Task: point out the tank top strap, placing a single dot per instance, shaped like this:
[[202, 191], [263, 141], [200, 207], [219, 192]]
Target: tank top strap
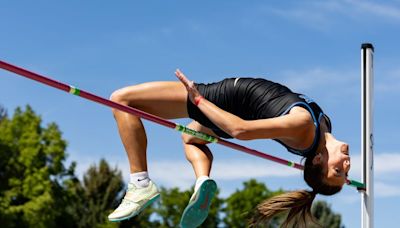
[[317, 114]]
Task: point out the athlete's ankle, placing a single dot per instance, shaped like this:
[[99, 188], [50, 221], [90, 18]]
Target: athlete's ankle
[[199, 181], [140, 179]]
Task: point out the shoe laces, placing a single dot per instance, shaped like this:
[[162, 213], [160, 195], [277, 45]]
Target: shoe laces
[[127, 202]]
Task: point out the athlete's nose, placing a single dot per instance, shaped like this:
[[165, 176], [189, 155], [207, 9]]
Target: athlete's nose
[[346, 165], [345, 148]]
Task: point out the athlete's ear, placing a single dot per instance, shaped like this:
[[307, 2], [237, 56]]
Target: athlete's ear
[[317, 160]]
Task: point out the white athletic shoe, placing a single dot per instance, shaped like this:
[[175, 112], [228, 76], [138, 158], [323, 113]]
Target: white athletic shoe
[[135, 200]]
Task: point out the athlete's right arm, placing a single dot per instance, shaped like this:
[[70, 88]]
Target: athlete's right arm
[[287, 126]]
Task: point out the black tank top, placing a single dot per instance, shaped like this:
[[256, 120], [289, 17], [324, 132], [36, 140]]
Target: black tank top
[[257, 98]]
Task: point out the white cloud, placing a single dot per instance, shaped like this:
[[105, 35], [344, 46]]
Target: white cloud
[[318, 77], [344, 83], [389, 83], [231, 170], [387, 163], [386, 173], [322, 84], [316, 19], [171, 173], [349, 198], [384, 164], [180, 174], [321, 15], [386, 190], [389, 11]]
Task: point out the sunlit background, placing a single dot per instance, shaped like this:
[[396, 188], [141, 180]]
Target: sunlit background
[[311, 46]]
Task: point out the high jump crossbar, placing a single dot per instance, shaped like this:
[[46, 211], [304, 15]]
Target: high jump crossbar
[[367, 137], [92, 97]]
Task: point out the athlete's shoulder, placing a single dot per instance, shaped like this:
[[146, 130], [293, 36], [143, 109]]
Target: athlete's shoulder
[[301, 117]]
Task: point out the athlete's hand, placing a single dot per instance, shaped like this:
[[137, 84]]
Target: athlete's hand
[[190, 87]]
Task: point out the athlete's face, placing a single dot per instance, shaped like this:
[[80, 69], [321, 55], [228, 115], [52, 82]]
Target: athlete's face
[[336, 161]]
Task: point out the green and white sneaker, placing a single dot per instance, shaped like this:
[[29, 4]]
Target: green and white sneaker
[[135, 200], [196, 211]]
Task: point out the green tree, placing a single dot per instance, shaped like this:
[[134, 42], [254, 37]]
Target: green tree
[[171, 205], [241, 204], [101, 192], [3, 113], [3, 158], [173, 202], [31, 170], [38, 190], [322, 211]]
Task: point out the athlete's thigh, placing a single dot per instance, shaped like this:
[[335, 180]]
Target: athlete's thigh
[[189, 139], [164, 99]]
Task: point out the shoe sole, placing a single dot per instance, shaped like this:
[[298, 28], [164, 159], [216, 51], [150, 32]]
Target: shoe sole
[[152, 200], [197, 211]]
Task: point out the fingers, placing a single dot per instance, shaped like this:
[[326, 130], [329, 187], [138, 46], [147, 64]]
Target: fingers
[[190, 86], [180, 75], [183, 78]]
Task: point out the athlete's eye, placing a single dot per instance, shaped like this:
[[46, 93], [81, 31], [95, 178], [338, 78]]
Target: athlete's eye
[[337, 172]]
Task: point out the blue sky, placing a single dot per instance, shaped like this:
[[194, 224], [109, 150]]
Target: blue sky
[[311, 46]]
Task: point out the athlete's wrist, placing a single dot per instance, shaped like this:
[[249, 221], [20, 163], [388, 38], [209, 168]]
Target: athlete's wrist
[[197, 100]]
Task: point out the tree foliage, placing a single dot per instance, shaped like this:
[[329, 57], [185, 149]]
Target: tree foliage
[[37, 189], [31, 170], [101, 185], [3, 113], [173, 202], [240, 205], [322, 211]]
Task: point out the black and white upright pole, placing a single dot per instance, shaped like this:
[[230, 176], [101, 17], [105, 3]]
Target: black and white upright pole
[[367, 137]]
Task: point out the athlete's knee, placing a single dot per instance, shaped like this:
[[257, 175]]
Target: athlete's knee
[[119, 96], [187, 139], [191, 153]]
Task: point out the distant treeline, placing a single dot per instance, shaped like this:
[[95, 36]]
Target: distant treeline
[[37, 189]]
